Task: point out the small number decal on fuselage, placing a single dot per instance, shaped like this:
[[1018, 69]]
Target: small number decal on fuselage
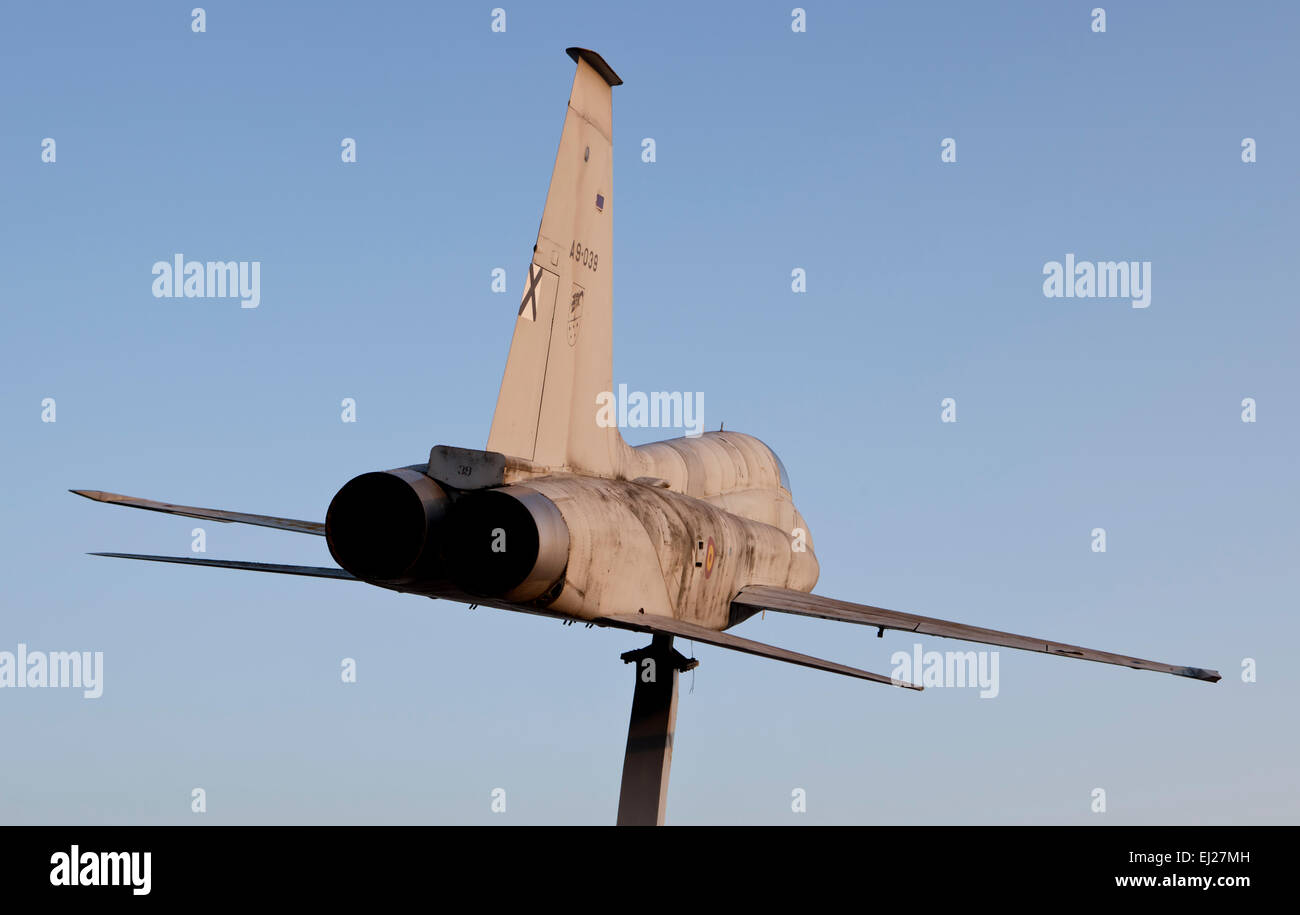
[[584, 256]]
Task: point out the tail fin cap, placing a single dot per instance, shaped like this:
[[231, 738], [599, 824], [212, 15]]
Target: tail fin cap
[[597, 63]]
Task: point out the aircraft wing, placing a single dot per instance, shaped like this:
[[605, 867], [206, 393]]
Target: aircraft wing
[[206, 514], [782, 600], [642, 623], [310, 571]]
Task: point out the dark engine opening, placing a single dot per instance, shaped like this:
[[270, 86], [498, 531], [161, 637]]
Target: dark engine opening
[[495, 545], [378, 525]]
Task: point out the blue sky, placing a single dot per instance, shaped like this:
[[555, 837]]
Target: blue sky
[[775, 150]]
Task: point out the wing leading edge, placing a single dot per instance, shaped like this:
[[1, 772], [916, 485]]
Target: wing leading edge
[[781, 600]]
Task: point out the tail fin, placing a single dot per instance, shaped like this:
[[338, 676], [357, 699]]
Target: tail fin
[[561, 357]]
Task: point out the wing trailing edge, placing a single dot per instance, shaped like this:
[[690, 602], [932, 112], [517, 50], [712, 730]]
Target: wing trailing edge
[[668, 626], [781, 600]]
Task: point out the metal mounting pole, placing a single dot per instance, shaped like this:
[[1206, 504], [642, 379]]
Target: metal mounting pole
[[643, 799]]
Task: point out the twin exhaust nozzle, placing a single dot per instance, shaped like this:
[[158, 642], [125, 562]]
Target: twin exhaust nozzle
[[402, 528]]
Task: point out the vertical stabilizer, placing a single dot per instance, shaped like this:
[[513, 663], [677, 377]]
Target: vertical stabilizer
[[561, 356]]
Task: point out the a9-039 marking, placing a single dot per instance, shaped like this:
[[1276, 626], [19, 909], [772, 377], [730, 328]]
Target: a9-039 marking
[[584, 256]]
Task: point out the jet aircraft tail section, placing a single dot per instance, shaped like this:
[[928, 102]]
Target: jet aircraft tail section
[[561, 355]]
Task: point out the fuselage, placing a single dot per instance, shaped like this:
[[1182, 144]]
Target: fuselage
[[682, 527], [710, 515]]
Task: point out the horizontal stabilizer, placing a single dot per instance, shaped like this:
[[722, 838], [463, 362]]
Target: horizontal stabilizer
[[310, 571], [206, 514], [668, 626], [781, 600]]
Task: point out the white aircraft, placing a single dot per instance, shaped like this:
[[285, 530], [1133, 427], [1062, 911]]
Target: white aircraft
[[562, 518]]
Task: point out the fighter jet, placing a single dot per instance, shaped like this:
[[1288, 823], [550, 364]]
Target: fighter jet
[[559, 517]]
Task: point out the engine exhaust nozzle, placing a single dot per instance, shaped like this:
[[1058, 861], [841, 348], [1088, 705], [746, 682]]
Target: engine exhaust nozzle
[[386, 525], [510, 543]]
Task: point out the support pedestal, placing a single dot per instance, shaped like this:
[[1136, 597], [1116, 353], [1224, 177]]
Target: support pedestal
[[643, 799]]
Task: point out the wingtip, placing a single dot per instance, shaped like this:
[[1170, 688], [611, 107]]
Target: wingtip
[[95, 495]]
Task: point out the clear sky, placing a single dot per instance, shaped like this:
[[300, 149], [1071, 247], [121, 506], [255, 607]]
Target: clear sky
[[774, 150]]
